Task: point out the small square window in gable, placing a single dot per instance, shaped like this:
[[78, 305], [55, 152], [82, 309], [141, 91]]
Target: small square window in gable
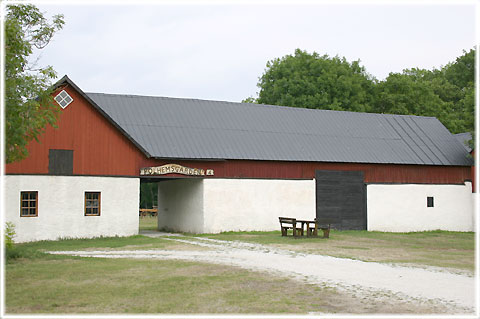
[[63, 99]]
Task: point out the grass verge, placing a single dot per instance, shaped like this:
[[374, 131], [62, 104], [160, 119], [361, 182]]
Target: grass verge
[[454, 250], [38, 283]]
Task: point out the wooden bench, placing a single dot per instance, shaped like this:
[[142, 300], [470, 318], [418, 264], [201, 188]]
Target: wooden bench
[[324, 224], [311, 228], [287, 223]]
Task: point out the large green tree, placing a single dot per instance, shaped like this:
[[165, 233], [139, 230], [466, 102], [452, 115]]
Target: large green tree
[[314, 81], [462, 71], [29, 106], [446, 93], [412, 93], [461, 75]]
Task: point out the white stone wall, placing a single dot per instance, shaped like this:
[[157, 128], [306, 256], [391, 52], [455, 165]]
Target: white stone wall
[[403, 208], [216, 205], [61, 206], [180, 205], [255, 204]]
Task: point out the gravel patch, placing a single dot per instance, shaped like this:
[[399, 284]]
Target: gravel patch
[[363, 279]]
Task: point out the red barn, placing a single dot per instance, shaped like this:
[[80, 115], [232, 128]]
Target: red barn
[[234, 166]]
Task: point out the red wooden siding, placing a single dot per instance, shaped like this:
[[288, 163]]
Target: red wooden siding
[[374, 173], [99, 148]]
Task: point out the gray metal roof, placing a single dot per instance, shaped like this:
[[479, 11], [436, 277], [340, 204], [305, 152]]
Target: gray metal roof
[[199, 129], [464, 138]]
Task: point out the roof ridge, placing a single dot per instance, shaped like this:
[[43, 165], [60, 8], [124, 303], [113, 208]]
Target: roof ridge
[[258, 105], [258, 131]]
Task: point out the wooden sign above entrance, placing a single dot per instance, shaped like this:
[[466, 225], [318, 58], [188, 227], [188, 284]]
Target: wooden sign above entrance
[[175, 169]]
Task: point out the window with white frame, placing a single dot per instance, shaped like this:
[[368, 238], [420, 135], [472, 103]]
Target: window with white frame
[[63, 99]]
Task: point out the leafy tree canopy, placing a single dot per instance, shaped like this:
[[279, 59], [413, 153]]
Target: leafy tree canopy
[[462, 72], [29, 106], [314, 81], [446, 93]]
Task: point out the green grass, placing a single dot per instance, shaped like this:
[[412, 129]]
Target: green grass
[[148, 223], [42, 283], [434, 248], [454, 250], [39, 283], [35, 248], [91, 285], [96, 285]]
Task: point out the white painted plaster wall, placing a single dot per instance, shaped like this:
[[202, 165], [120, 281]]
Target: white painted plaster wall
[[403, 208], [215, 205], [180, 205], [61, 206], [255, 204]]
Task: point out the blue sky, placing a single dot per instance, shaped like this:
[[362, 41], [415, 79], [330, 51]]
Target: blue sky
[[217, 52]]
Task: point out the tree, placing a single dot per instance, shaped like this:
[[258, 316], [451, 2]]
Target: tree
[[446, 93], [461, 75], [314, 81], [148, 195], [29, 106], [413, 94], [462, 72], [250, 99]]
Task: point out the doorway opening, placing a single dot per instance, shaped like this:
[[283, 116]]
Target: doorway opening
[[148, 207], [341, 198]]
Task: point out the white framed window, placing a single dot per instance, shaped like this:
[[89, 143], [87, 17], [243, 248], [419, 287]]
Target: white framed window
[[63, 99]]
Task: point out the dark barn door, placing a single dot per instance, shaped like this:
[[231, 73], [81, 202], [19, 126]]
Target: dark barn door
[[341, 197]]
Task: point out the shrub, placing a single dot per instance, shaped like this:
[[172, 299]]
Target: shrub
[[11, 251], [9, 234]]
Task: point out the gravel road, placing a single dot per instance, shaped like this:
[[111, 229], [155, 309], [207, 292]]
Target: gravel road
[[363, 279]]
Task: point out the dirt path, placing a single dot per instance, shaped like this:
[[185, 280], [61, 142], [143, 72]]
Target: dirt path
[[362, 279]]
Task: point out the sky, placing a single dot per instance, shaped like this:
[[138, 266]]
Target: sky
[[218, 52]]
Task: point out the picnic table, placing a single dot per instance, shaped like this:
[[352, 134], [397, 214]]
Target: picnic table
[[143, 212], [310, 227]]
